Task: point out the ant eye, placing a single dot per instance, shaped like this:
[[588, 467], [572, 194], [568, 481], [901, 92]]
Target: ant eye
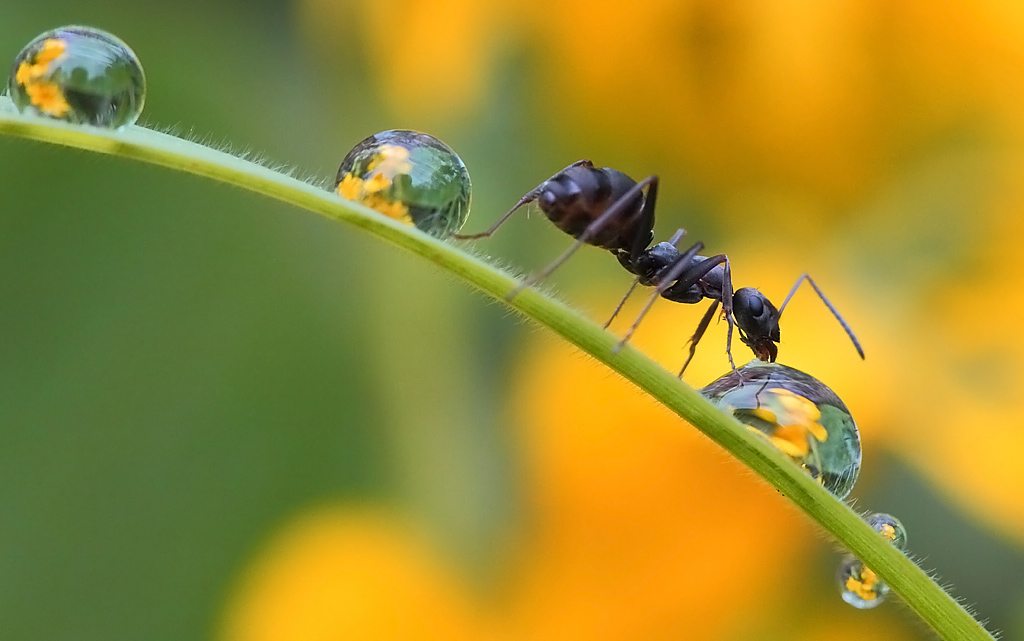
[[755, 306]]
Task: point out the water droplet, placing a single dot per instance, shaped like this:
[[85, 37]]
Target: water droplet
[[798, 414], [889, 527], [81, 75], [860, 586], [410, 176]]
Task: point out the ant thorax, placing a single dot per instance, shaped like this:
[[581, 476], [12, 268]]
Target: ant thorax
[[652, 263]]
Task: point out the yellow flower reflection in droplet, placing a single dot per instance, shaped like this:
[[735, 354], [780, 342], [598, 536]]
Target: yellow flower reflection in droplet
[[47, 96]]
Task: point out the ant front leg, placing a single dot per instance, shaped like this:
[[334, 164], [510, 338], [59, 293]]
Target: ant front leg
[[727, 310], [616, 209], [528, 198], [694, 274]]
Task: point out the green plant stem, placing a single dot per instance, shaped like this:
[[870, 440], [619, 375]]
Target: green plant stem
[[922, 595]]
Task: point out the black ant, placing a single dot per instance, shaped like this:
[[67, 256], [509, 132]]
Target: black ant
[[606, 208]]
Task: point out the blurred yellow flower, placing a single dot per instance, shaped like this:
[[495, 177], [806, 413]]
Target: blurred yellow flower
[[376, 183], [819, 103], [640, 528], [349, 573], [391, 161]]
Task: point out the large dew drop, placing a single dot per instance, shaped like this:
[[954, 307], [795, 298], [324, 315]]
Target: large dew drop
[[409, 176], [80, 75], [799, 415]]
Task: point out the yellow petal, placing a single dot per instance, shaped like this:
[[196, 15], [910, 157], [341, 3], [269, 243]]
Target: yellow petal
[[376, 183], [350, 187], [52, 49], [48, 98]]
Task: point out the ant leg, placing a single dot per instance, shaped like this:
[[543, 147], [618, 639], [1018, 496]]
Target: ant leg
[[698, 334], [609, 214], [644, 224], [727, 310], [618, 308], [678, 273], [674, 240], [831, 308], [676, 237], [528, 198], [764, 386], [681, 271]]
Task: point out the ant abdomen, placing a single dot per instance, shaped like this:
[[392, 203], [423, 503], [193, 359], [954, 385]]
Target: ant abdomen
[[575, 197]]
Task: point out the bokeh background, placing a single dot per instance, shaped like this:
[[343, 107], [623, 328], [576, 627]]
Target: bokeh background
[[224, 418]]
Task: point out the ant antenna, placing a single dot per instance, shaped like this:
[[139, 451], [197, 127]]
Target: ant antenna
[[831, 308]]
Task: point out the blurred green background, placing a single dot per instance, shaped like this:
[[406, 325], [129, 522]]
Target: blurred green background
[[187, 368]]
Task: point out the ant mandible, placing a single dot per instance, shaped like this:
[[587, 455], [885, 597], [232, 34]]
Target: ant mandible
[[606, 208]]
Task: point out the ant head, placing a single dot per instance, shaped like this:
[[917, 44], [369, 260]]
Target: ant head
[[758, 322]]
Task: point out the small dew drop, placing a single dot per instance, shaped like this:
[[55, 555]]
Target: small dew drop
[[799, 415], [409, 176], [859, 585], [80, 75], [890, 528]]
